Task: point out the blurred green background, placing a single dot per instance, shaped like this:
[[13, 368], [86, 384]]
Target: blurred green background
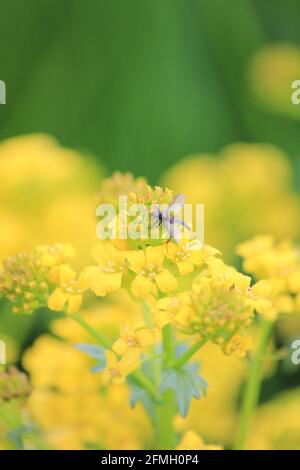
[[141, 83]]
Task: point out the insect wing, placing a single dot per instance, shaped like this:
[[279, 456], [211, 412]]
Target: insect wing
[[176, 204]]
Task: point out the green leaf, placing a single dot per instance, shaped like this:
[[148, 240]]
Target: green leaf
[[186, 384], [137, 393], [96, 352]]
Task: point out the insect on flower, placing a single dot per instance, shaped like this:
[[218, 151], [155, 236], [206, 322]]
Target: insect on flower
[[170, 218]]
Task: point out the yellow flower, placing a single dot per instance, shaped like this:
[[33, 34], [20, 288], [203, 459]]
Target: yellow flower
[[116, 370], [192, 441], [174, 310], [107, 276], [188, 254], [294, 281], [262, 288], [279, 264], [148, 265], [51, 255], [69, 291], [275, 424], [238, 345], [138, 340], [66, 394]]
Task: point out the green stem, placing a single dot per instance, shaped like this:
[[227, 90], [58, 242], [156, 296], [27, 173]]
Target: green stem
[[138, 375], [142, 379], [102, 340], [168, 346], [165, 412], [184, 358], [253, 385]]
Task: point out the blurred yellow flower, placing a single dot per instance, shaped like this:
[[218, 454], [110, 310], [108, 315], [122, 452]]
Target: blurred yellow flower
[[44, 188], [271, 72], [116, 370], [238, 345], [279, 264], [130, 339], [246, 189], [69, 291], [192, 441], [72, 406], [276, 425]]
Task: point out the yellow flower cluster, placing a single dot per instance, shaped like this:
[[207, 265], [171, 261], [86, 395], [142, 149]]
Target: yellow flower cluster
[[184, 283], [246, 189], [138, 192], [219, 307], [276, 425], [73, 407], [185, 291], [129, 346], [279, 263], [271, 72], [44, 188], [25, 278]]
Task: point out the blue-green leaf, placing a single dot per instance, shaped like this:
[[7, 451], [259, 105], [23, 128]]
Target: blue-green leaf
[[96, 352], [186, 384], [137, 393]]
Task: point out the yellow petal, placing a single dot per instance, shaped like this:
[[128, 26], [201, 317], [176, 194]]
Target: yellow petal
[[285, 304], [185, 267], [294, 282], [99, 253], [141, 287], [165, 281], [53, 275], [74, 303], [130, 361], [145, 337], [155, 255], [120, 346], [98, 285], [113, 281], [161, 318], [136, 260], [171, 250], [66, 274], [262, 288], [57, 300]]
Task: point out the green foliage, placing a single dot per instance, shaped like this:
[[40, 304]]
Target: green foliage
[[186, 384]]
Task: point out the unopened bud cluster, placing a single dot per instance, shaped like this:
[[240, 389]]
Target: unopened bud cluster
[[14, 384], [24, 282]]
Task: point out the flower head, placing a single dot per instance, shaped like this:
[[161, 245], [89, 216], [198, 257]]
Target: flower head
[[151, 275], [188, 255], [130, 339], [279, 264], [116, 370], [238, 345], [107, 275], [219, 306], [69, 290]]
